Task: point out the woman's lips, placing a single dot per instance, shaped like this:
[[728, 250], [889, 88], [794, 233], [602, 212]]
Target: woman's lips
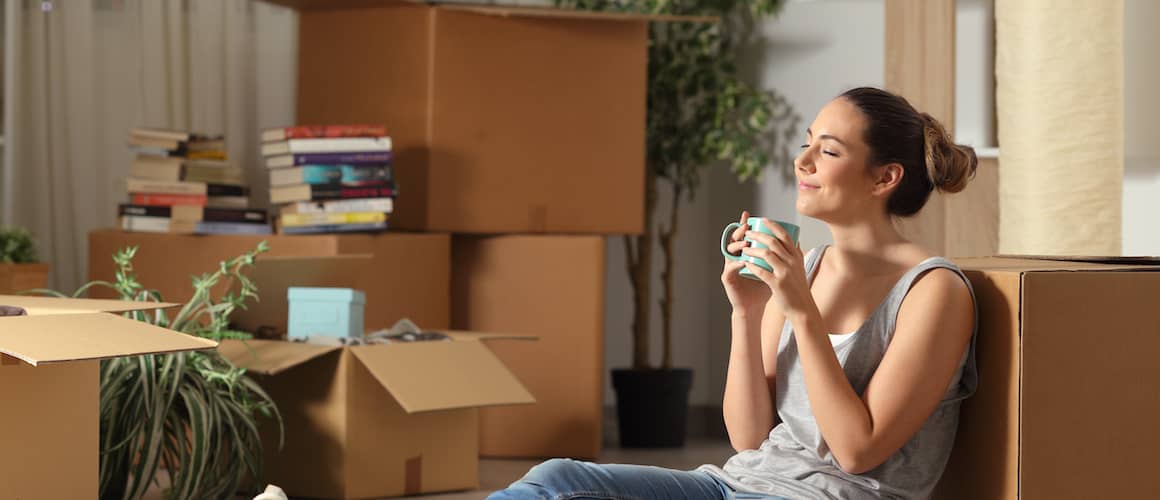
[[806, 187]]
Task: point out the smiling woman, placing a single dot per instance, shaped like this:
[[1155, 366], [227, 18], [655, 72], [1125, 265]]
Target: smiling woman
[[873, 415]]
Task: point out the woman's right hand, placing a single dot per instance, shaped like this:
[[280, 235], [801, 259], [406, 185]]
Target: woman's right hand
[[745, 295]]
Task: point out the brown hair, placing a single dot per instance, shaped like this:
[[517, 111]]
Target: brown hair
[[898, 133]]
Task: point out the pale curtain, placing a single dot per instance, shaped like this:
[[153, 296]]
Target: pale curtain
[[85, 72]]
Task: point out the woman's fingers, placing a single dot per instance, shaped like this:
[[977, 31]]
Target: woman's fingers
[[736, 247]]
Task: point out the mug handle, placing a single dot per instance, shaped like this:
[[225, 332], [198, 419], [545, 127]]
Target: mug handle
[[725, 238]]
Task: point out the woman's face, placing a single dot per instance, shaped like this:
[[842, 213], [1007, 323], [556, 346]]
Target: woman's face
[[834, 183]]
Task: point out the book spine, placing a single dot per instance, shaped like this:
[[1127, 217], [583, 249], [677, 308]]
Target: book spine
[[218, 227], [226, 190], [144, 210], [385, 205], [248, 216], [307, 131], [340, 145], [331, 192], [146, 224], [333, 218], [161, 187], [335, 228], [355, 175], [156, 199]]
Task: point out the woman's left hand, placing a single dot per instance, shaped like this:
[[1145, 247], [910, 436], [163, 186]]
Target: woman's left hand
[[787, 281]]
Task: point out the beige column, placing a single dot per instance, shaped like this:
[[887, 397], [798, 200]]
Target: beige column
[[1059, 74]]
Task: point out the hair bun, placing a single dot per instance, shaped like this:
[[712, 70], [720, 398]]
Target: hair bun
[[950, 166]]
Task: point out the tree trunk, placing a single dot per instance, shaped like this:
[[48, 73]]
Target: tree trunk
[[667, 244], [639, 272]]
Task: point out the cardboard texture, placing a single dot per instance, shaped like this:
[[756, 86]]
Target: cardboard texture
[[545, 107], [50, 421], [379, 420], [552, 287], [1067, 404], [402, 274]]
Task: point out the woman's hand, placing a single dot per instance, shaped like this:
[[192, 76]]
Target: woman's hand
[[787, 281], [747, 296]]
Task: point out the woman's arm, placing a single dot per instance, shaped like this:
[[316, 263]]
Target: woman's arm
[[932, 332], [750, 404]]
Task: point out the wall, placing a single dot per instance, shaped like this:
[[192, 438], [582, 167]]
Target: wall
[[1141, 232], [813, 51]]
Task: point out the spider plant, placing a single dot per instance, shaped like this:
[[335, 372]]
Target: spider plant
[[192, 414]]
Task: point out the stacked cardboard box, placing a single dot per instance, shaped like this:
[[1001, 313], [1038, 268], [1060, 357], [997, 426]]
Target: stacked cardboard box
[[1066, 352]]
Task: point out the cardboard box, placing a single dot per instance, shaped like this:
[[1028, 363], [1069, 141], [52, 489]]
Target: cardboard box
[[551, 287], [1068, 404], [378, 420], [503, 119], [49, 374], [407, 274]]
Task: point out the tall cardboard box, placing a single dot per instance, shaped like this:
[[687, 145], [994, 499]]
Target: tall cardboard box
[[406, 272], [377, 421], [551, 287], [50, 378], [503, 119], [1069, 387]]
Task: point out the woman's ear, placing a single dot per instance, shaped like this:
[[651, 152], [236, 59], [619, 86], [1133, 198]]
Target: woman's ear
[[887, 177]]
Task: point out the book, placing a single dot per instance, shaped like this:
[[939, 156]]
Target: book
[[215, 227], [322, 192], [165, 187], [156, 199], [151, 224], [214, 190], [156, 171], [294, 220], [157, 133], [327, 145], [195, 213], [385, 205], [308, 131], [290, 160], [213, 172], [206, 155], [335, 228], [227, 201], [350, 175], [158, 152]]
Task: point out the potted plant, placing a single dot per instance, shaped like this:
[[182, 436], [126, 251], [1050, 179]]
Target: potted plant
[[19, 267], [701, 113], [192, 414]]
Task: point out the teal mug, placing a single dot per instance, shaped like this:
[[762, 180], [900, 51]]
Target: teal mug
[[754, 224]]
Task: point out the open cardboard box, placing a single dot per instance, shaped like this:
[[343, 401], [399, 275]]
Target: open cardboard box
[[504, 119], [1069, 384], [49, 375], [378, 420]]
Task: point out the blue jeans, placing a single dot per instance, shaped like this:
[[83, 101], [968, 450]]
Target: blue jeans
[[564, 479]]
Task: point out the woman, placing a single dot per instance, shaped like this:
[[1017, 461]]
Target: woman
[[848, 364]]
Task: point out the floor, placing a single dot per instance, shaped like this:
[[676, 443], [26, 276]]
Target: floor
[[496, 474]]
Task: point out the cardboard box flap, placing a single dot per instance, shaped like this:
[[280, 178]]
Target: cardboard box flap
[[442, 375], [1025, 263], [485, 336], [271, 357], [494, 10], [56, 338], [1095, 259], [52, 305]]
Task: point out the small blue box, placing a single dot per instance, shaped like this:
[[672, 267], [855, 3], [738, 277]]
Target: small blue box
[[331, 312]]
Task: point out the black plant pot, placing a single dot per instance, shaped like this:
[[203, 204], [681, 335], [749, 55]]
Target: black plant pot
[[652, 406]]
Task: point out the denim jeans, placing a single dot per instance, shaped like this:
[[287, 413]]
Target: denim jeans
[[564, 479]]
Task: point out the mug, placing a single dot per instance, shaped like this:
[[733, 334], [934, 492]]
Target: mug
[[754, 224]]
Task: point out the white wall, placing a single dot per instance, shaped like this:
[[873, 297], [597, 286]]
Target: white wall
[[1141, 231], [814, 51]]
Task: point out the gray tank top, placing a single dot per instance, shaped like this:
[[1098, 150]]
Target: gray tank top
[[794, 461]]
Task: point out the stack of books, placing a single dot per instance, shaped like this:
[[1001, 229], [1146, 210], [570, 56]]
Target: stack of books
[[330, 178], [182, 182]]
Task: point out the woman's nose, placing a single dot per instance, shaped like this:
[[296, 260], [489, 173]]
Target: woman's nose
[[803, 162]]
